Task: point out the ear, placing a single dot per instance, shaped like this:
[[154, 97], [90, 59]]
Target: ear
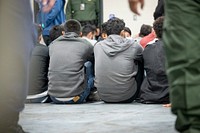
[[81, 34], [63, 32], [104, 35], [90, 35], [122, 33]]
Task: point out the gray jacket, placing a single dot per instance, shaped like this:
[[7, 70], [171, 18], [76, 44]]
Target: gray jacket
[[66, 74], [115, 68]]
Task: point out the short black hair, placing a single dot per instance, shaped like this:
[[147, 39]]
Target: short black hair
[[127, 30], [158, 26], [114, 26], [103, 27], [87, 29], [55, 32], [72, 25], [145, 30]]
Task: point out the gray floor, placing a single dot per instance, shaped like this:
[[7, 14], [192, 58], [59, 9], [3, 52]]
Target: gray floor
[[97, 118]]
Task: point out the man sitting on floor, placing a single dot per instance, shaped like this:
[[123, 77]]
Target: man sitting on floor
[[116, 65], [70, 73]]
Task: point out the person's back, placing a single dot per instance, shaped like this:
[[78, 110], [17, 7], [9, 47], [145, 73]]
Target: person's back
[[39, 69], [66, 69], [115, 67], [38, 81], [155, 88]]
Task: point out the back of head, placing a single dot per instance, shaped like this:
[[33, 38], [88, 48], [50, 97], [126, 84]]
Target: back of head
[[87, 29], [114, 26], [55, 32], [145, 30], [103, 27], [158, 27], [73, 25]]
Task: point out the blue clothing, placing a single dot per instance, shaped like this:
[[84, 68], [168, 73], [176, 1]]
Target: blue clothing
[[55, 17]]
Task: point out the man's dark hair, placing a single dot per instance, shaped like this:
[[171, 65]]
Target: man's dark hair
[[128, 30], [87, 29], [73, 25], [145, 30], [114, 26], [55, 32], [103, 27], [158, 26]]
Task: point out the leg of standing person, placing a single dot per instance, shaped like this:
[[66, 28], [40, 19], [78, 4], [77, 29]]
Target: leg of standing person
[[182, 38], [16, 42]]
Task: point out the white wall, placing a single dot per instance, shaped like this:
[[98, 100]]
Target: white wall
[[121, 10]]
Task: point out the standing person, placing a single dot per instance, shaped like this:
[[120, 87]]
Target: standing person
[[116, 66], [159, 11], [85, 11], [49, 19], [16, 42], [70, 74], [182, 51]]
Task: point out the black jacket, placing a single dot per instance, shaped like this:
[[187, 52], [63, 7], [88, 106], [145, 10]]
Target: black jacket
[[154, 88], [39, 69]]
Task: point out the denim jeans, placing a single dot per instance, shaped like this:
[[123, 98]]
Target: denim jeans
[[82, 97]]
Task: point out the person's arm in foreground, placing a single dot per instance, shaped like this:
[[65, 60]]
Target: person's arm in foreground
[[133, 4], [47, 4]]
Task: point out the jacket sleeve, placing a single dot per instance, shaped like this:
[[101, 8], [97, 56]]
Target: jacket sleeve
[[54, 11], [139, 51], [159, 11], [69, 10]]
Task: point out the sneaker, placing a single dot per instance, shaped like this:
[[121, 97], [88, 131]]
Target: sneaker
[[93, 97]]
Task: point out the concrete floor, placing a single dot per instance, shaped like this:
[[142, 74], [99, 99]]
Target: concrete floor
[[97, 118]]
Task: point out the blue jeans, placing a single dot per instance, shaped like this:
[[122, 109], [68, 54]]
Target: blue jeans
[[82, 97]]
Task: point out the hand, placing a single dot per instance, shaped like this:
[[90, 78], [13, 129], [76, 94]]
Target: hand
[[47, 5], [167, 105], [133, 4]]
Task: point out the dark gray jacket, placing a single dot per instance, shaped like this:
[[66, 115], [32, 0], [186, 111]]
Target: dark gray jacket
[[115, 68], [66, 74], [154, 88], [38, 81]]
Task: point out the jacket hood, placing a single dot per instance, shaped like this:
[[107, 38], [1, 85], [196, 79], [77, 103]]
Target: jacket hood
[[70, 35], [115, 44]]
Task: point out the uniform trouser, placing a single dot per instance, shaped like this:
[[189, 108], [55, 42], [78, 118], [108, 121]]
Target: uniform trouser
[[182, 44], [16, 42]]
